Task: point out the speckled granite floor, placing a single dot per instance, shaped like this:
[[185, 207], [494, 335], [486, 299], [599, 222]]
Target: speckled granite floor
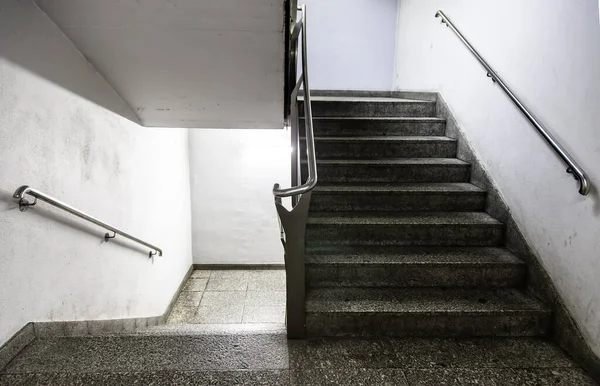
[[231, 297], [270, 359]]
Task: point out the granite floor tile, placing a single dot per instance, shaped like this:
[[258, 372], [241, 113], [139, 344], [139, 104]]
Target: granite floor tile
[[221, 291], [241, 274], [219, 314], [201, 274], [266, 359], [188, 299], [348, 376], [462, 376], [195, 284], [554, 377], [223, 298], [342, 353], [156, 378], [264, 314], [480, 352], [181, 315], [265, 298], [228, 281], [26, 379], [267, 280]]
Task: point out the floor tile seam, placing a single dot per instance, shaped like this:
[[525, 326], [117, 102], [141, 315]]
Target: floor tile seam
[[198, 306]]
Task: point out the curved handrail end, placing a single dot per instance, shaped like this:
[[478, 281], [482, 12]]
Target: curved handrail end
[[21, 191], [584, 185]]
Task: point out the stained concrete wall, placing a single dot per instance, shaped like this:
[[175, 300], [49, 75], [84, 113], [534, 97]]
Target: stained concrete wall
[[54, 266], [232, 176], [549, 53], [351, 44]]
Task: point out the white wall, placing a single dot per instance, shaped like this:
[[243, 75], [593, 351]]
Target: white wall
[[351, 44], [232, 176], [54, 266], [549, 53]]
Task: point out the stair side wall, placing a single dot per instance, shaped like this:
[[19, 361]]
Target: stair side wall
[[564, 328]]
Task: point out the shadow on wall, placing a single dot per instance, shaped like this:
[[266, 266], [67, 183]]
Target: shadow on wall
[[29, 39]]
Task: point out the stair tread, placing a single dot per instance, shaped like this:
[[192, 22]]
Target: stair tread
[[362, 99], [401, 218], [370, 118], [421, 301], [384, 138], [394, 161], [384, 187], [370, 255]]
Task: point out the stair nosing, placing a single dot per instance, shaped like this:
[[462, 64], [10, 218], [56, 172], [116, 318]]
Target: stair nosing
[[314, 262], [370, 118], [385, 139], [433, 161], [516, 301], [342, 217], [439, 312], [365, 99], [399, 188]]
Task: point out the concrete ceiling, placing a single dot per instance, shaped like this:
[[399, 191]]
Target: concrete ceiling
[[184, 63]]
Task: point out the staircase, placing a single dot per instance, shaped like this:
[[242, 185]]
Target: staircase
[[397, 244], [397, 240]]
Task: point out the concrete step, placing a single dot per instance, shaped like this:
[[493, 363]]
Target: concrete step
[[403, 228], [339, 266], [335, 106], [406, 197], [392, 170], [60, 359], [370, 126], [377, 147], [360, 311]]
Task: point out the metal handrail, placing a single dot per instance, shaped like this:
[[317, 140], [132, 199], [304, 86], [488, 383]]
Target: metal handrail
[[572, 167], [38, 195], [311, 182]]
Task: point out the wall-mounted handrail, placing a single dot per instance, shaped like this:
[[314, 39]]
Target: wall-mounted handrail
[[572, 167], [38, 195], [311, 181]]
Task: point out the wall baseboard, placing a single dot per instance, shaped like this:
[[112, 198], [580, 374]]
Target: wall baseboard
[[167, 312], [565, 331], [110, 326], [15, 344], [57, 329], [239, 266]]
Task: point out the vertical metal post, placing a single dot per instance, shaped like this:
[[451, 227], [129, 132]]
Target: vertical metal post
[[295, 144], [294, 225]]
